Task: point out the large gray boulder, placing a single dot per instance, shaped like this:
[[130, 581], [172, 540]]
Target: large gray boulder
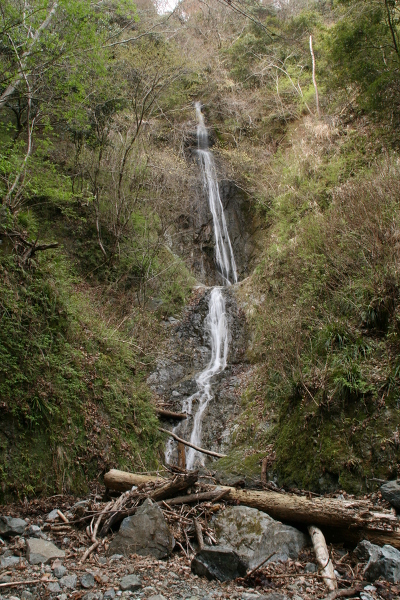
[[391, 492], [10, 526], [218, 562], [40, 551], [254, 535], [145, 533], [382, 562]]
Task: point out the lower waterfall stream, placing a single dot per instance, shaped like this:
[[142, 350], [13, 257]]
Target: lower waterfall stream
[[216, 322]]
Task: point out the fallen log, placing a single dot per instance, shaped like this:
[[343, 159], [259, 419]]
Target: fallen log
[[202, 450], [352, 519], [121, 481], [169, 414], [330, 512]]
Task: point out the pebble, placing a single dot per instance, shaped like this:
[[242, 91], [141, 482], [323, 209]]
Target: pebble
[[54, 587], [109, 594], [69, 581], [59, 571], [310, 568], [130, 583], [52, 516], [27, 595], [87, 580]]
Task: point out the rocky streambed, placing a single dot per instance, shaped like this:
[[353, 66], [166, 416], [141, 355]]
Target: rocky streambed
[[43, 545]]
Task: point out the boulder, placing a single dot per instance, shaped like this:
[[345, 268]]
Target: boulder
[[391, 492], [10, 526], [254, 535], [218, 562], [41, 551], [145, 533], [382, 562]]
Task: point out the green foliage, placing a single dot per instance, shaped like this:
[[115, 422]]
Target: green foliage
[[73, 400]]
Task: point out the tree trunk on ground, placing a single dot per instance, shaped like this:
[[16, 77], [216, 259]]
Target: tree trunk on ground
[[351, 519], [120, 481]]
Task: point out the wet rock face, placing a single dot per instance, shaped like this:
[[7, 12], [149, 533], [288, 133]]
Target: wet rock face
[[189, 352], [254, 535], [242, 232]]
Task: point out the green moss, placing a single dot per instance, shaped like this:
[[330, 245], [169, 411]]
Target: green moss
[[73, 400]]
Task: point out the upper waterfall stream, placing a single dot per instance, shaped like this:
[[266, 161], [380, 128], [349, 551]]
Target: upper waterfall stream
[[215, 323]]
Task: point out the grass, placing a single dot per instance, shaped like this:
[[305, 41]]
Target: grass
[[74, 398]]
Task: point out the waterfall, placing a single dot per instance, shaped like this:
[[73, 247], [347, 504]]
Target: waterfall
[[216, 322], [223, 248]]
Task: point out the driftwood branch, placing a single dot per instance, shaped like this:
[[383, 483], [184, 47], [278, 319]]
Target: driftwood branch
[[202, 450], [323, 558]]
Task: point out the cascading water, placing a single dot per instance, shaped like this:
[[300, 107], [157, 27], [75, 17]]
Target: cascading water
[[223, 248], [215, 322]]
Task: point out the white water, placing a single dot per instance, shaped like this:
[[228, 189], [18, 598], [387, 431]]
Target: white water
[[215, 322], [223, 248]]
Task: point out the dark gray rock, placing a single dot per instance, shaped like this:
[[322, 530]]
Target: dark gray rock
[[59, 571], [310, 568], [254, 535], [52, 516], [41, 551], [391, 492], [87, 581], [145, 533], [109, 594], [69, 582], [34, 531], [382, 562], [54, 587], [130, 583], [9, 561], [27, 595], [219, 563], [10, 526]]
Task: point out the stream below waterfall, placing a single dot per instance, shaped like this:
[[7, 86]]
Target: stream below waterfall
[[215, 323]]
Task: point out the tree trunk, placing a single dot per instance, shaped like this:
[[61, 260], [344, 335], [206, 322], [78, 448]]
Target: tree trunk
[[121, 481], [352, 520]]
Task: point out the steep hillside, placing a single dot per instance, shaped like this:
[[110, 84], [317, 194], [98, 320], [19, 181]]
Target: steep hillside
[[103, 237]]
